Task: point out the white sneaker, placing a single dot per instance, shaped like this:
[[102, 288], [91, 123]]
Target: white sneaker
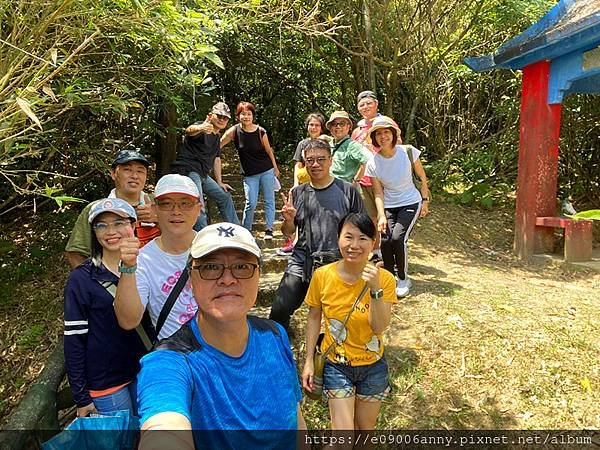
[[403, 287]]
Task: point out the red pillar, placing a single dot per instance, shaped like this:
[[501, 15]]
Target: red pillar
[[538, 161]]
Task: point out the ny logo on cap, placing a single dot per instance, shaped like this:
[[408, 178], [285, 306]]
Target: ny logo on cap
[[226, 232]]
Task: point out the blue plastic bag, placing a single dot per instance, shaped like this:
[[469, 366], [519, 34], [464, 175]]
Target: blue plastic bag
[[112, 431]]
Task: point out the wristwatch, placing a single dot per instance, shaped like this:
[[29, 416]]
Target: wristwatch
[[377, 295], [123, 269]]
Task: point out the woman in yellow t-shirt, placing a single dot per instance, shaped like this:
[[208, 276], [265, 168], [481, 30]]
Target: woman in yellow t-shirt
[[355, 380]]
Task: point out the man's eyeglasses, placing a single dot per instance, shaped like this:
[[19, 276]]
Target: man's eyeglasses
[[320, 160], [169, 205], [214, 271], [222, 117], [118, 224], [339, 123]]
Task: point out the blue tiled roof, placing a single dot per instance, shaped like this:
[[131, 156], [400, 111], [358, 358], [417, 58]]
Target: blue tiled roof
[[571, 25]]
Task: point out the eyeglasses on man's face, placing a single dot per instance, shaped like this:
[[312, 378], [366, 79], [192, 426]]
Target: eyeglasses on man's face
[[118, 224], [169, 205], [320, 160], [214, 271], [339, 123]]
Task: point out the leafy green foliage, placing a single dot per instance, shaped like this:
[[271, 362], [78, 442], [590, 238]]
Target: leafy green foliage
[[592, 214], [83, 79]]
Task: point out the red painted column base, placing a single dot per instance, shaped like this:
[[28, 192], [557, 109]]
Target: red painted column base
[[538, 162]]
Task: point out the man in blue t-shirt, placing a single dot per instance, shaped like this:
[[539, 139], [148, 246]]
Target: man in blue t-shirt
[[223, 370]]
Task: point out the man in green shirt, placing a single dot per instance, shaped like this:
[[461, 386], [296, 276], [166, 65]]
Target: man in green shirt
[[129, 170], [349, 157]]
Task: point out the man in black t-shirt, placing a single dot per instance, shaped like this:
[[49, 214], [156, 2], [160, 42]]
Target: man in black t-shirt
[[199, 154], [328, 201]]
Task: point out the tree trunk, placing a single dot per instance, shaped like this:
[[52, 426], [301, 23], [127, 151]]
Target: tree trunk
[[370, 63], [38, 409], [167, 141]]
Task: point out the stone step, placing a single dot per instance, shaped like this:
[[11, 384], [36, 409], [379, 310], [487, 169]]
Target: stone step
[[267, 287]]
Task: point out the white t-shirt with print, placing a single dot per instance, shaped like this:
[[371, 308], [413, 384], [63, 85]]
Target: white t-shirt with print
[[395, 176], [156, 275]]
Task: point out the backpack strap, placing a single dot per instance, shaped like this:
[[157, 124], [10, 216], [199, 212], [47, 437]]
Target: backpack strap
[[409, 153], [171, 299], [111, 288], [263, 324], [237, 135]]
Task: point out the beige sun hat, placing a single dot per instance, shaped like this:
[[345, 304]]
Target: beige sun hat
[[338, 115], [383, 122]]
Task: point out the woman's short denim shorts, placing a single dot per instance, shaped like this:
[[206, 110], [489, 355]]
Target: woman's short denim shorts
[[368, 383]]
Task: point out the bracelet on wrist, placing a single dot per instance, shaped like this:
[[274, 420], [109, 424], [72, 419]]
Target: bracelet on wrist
[[123, 269]]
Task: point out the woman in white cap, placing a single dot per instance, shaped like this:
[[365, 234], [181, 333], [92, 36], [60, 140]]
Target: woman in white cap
[[399, 202], [102, 359]]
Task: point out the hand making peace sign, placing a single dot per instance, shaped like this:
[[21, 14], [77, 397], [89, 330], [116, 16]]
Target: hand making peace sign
[[288, 211]]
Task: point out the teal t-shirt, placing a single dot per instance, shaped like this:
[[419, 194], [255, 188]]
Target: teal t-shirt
[[348, 156]]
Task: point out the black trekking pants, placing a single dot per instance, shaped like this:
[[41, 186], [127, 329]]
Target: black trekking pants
[[393, 242], [288, 298]]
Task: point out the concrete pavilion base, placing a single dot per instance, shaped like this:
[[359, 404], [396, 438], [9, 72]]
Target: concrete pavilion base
[[593, 264]]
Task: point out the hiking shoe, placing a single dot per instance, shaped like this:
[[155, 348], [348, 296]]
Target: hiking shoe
[[403, 287], [287, 248], [268, 235]]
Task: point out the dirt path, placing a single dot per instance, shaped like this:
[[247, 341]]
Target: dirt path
[[485, 341]]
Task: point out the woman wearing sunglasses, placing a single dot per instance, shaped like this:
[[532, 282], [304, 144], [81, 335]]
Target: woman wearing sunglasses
[[355, 379], [102, 359]]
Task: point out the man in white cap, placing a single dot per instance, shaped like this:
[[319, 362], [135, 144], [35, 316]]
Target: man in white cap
[[129, 170], [223, 370], [200, 154], [349, 157], [150, 274]]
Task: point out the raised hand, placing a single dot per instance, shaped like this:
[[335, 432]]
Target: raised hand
[[204, 127], [371, 275], [288, 211], [129, 248], [144, 212]]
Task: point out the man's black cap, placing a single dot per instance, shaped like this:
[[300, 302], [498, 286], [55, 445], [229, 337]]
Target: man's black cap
[[125, 156]]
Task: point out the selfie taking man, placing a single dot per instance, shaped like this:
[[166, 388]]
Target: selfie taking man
[[150, 276], [129, 170], [224, 369], [200, 154], [315, 209]]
